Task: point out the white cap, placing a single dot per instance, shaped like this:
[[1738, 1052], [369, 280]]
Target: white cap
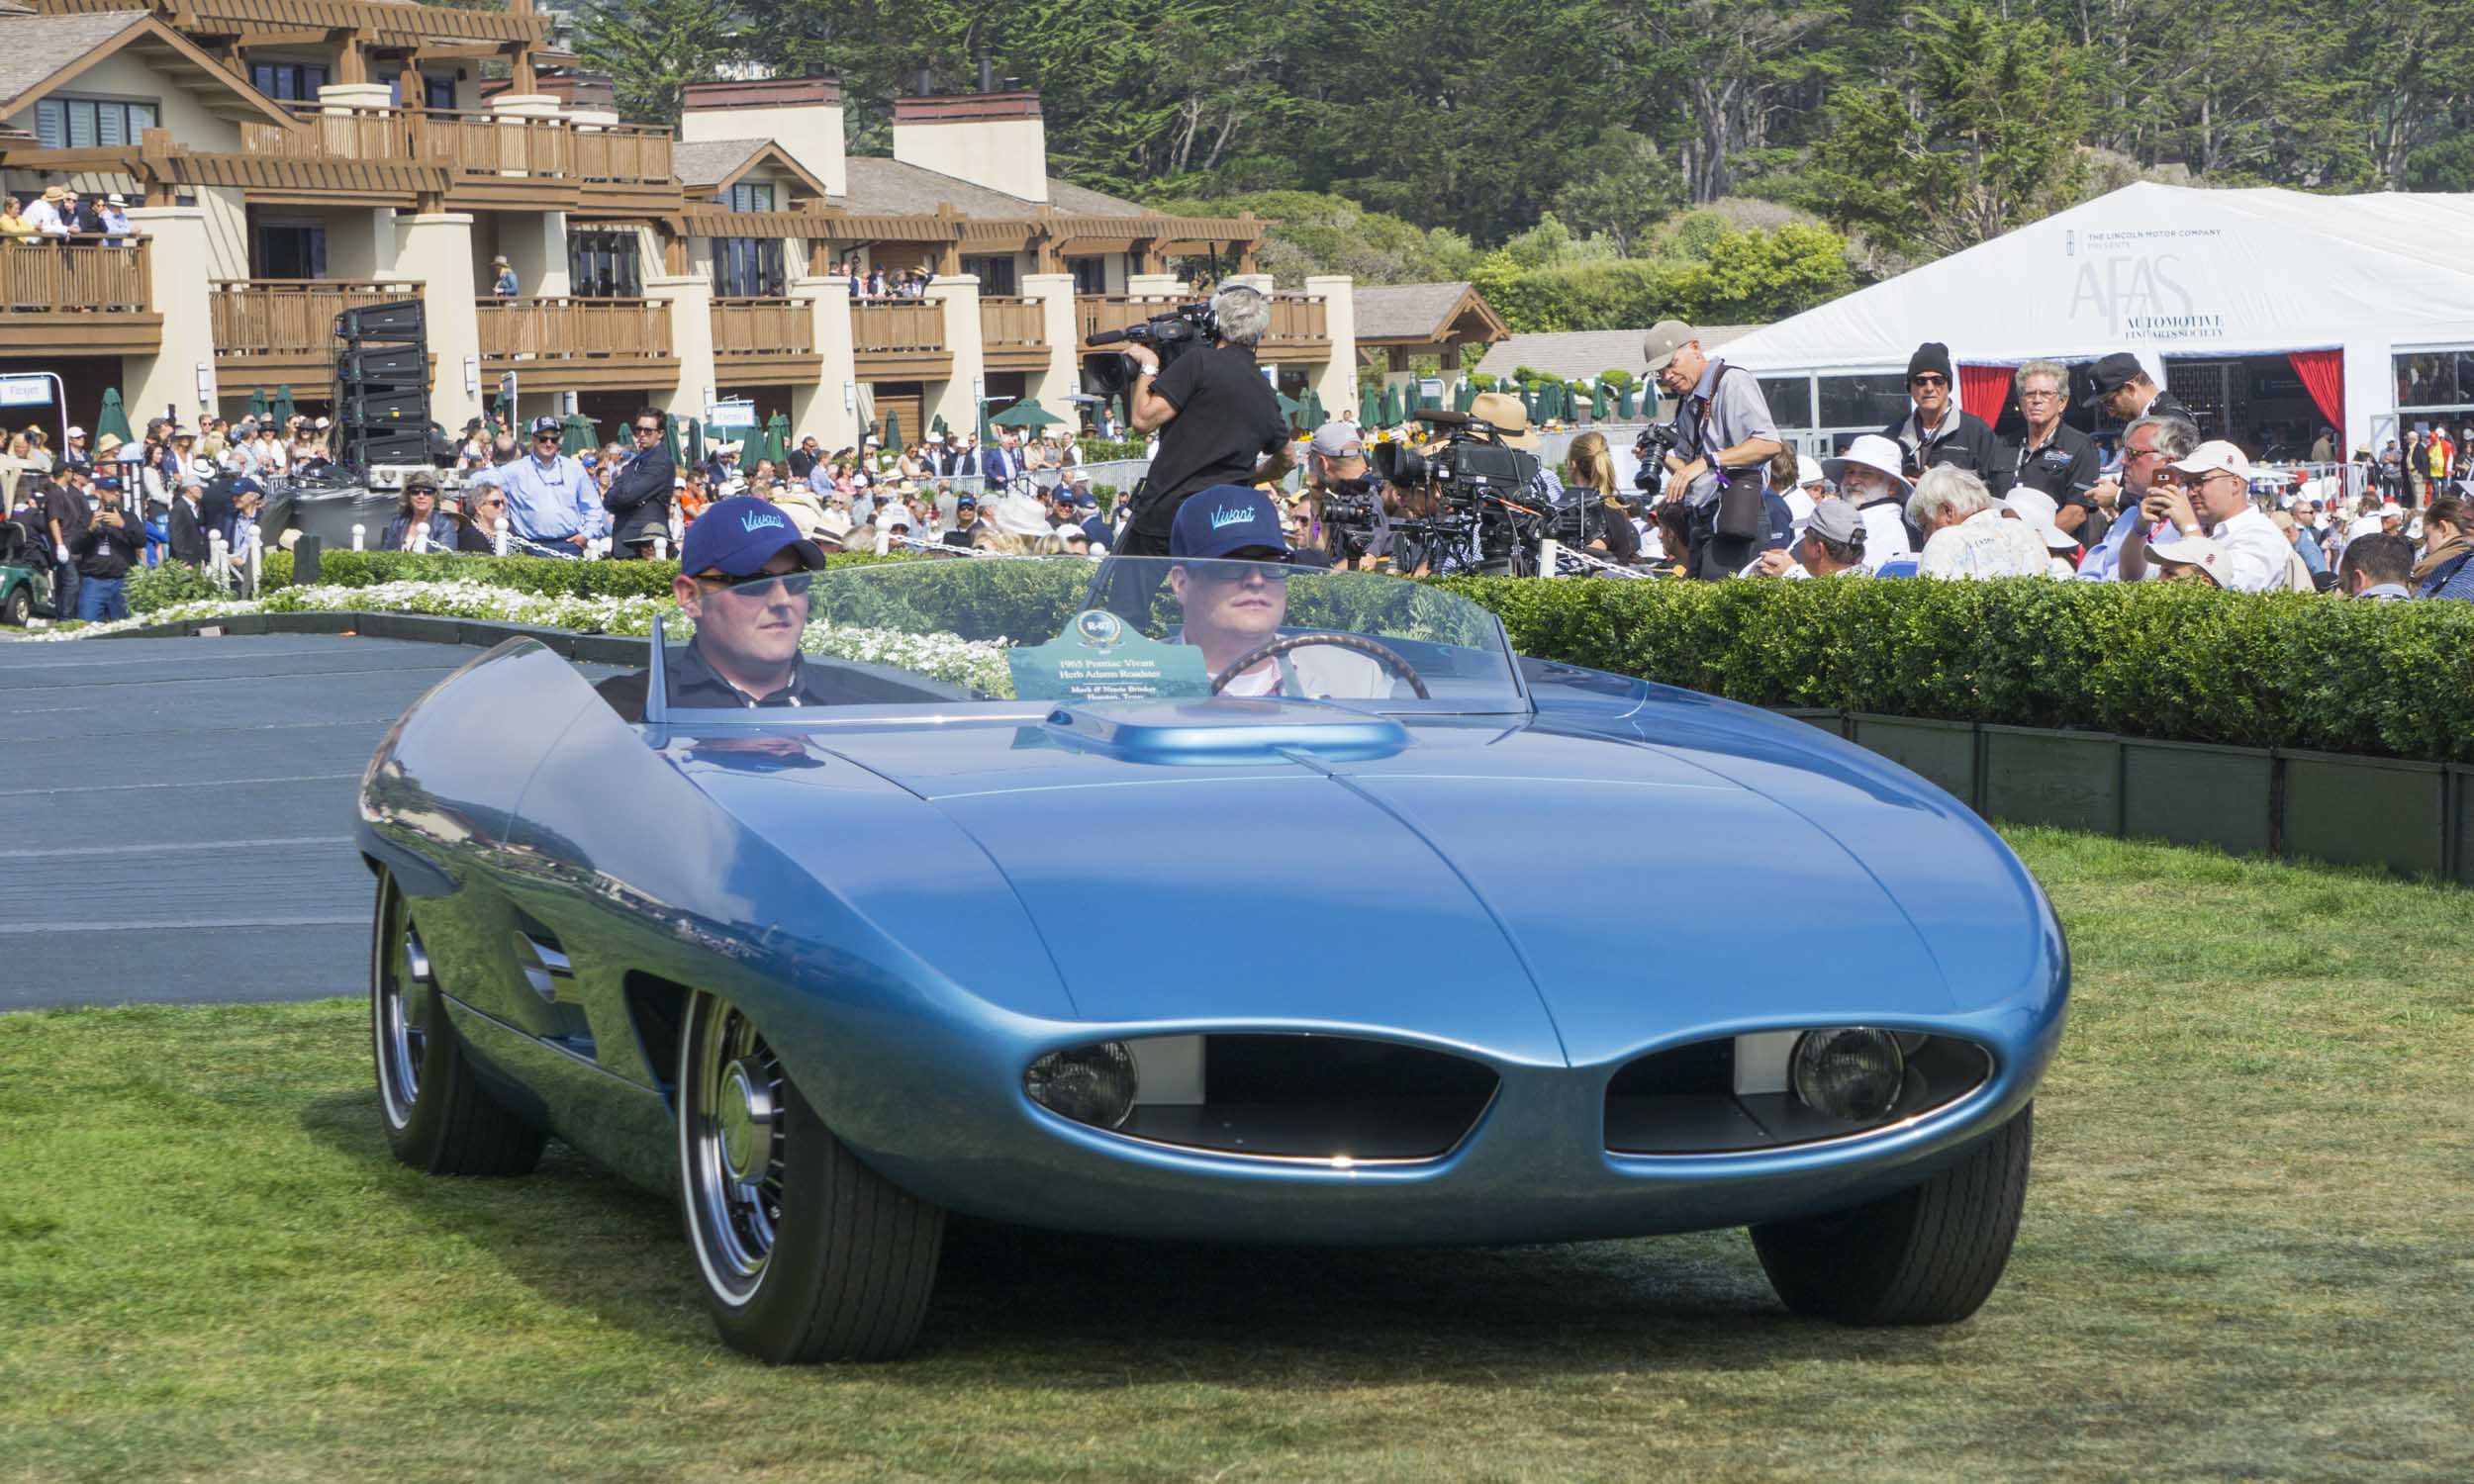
[[2192, 551], [77, 432], [2216, 456], [2037, 509], [1808, 471], [1022, 515], [1872, 452], [2363, 526]]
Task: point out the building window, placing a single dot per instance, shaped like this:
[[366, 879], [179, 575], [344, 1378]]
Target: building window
[[291, 249], [751, 197], [1090, 274], [2431, 379], [288, 81], [604, 265], [996, 276], [1870, 402], [1791, 399], [92, 122], [748, 268], [437, 92]]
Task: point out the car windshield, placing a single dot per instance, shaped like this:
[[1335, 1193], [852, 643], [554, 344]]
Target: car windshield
[[985, 630]]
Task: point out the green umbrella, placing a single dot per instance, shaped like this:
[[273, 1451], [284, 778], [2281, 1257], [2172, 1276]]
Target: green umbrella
[[775, 444], [1027, 414], [987, 434], [257, 404], [670, 438], [283, 408], [937, 423], [503, 413], [1623, 405], [579, 434], [1315, 412], [114, 419], [1117, 412], [892, 431], [1392, 406], [1292, 411], [695, 442]]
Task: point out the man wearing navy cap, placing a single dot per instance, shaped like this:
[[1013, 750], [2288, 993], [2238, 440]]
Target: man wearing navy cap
[[1230, 574], [106, 550], [746, 652]]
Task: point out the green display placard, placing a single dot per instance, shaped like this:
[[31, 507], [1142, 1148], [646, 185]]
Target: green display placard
[[1099, 657]]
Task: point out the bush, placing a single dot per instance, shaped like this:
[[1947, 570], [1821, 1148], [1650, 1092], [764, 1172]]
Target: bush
[[1104, 451], [546, 576], [154, 588]]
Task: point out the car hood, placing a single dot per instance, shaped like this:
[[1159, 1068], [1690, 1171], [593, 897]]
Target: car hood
[[1538, 894]]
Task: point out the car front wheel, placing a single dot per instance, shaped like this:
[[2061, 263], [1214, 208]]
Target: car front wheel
[[436, 1114], [805, 1254], [1926, 1256]]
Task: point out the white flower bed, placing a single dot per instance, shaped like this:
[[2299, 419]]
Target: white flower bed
[[961, 661]]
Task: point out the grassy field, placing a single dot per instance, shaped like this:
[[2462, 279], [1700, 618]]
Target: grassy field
[[2248, 1253]]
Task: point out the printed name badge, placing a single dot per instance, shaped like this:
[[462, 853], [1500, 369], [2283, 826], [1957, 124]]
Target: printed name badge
[[1099, 658]]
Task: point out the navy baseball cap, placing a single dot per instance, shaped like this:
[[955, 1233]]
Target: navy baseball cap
[[1223, 519], [547, 424], [738, 535], [247, 486]]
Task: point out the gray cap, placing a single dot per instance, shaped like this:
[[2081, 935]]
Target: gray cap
[[1665, 338], [1834, 520], [1338, 440]]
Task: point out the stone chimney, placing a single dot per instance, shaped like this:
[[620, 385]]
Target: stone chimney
[[803, 114], [991, 139]]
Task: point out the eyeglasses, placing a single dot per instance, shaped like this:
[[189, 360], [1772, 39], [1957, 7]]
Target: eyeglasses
[[1928, 380], [2040, 397], [545, 437], [1270, 570], [795, 584]]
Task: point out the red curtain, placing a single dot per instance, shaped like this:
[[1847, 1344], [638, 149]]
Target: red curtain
[[2323, 374], [1983, 389]]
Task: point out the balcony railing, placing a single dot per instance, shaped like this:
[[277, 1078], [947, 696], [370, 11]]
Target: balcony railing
[[1094, 313], [1296, 321], [469, 143], [290, 319], [568, 330], [763, 327], [881, 328], [82, 276], [1006, 323]]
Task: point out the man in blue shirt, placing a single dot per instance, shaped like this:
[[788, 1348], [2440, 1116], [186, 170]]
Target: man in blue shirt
[[550, 500]]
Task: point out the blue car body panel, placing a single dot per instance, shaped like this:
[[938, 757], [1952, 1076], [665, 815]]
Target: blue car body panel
[[915, 904]]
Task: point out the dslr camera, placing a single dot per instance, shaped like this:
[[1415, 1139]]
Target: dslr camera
[[1652, 448], [1185, 328]]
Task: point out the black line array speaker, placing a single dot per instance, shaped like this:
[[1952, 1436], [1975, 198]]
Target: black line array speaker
[[382, 386]]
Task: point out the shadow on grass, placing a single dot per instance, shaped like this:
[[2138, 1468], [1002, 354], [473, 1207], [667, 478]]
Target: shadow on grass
[[1083, 1310]]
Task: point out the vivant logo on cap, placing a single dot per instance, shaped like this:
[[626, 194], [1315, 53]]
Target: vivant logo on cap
[[759, 521], [1242, 516]]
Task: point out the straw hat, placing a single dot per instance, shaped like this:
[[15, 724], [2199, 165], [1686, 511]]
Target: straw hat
[[1508, 416]]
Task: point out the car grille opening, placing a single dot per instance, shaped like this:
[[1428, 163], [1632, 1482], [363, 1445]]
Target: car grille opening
[[1734, 1095], [1304, 1096]]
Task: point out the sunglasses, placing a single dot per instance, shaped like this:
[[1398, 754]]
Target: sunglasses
[[644, 431], [795, 584], [1927, 381], [546, 437], [1238, 572]]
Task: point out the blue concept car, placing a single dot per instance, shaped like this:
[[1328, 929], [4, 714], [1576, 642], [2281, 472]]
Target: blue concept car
[[1194, 901]]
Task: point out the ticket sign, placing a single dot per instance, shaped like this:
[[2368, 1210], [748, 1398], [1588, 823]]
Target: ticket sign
[[1099, 657], [25, 390]]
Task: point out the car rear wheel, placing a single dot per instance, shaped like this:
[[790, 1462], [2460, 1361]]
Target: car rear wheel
[[436, 1114], [1926, 1256], [805, 1254], [17, 607]]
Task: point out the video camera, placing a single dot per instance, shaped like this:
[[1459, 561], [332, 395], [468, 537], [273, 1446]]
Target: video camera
[[1484, 518], [1184, 328], [1472, 463], [1352, 513]]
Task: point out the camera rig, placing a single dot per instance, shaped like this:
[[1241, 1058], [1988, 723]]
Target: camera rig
[[1172, 334], [1485, 513]]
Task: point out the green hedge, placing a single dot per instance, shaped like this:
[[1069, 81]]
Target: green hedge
[[2184, 664]]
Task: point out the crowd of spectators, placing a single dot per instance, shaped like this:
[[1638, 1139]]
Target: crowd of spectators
[[60, 216]]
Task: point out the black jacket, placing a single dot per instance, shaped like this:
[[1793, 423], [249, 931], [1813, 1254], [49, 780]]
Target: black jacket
[[1965, 441], [187, 536], [638, 498], [102, 551]]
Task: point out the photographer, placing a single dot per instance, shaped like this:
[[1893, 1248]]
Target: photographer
[[1723, 436], [1215, 414], [1337, 474]]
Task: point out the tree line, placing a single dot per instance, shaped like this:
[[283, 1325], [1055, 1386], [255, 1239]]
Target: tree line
[[1907, 129]]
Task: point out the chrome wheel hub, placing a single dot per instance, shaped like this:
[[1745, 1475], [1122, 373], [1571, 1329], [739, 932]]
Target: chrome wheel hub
[[730, 1146], [400, 979], [744, 1123]]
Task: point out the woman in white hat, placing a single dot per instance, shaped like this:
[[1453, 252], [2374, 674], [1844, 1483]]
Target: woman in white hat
[[1869, 477], [2038, 510]]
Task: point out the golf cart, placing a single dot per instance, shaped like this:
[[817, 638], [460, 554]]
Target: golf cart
[[25, 576]]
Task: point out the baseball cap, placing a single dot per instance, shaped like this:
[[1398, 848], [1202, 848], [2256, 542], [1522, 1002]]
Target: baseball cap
[[1808, 470], [738, 535], [965, 502], [2037, 509], [1338, 440], [1834, 520], [77, 432], [2112, 372], [1085, 500], [1214, 522], [108, 482], [2216, 456], [2192, 551], [1870, 452], [546, 424], [247, 486], [1665, 338]]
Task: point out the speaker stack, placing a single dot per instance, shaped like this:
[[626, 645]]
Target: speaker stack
[[382, 386]]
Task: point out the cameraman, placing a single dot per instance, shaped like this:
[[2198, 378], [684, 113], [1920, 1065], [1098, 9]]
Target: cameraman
[[1724, 437], [1334, 463], [1215, 414]]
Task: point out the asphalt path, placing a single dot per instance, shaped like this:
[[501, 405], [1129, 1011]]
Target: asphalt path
[[179, 813]]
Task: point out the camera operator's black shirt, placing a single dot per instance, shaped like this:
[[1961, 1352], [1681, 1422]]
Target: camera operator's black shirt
[[1227, 416]]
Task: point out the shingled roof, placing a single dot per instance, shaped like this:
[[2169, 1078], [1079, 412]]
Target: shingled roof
[[889, 187], [1424, 313]]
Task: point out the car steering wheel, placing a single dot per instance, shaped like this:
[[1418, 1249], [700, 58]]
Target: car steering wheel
[[1387, 658]]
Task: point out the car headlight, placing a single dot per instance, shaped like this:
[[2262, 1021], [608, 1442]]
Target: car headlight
[[1091, 1085], [1853, 1072]]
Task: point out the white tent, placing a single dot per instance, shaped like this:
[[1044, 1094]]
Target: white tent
[[2174, 271]]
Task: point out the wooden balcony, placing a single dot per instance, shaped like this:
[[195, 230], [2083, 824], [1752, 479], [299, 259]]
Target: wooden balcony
[[1014, 334], [1094, 313], [1298, 331], [494, 161], [765, 342], [81, 299], [281, 331], [579, 344], [900, 340]]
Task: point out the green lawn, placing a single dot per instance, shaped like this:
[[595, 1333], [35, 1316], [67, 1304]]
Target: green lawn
[[2248, 1253]]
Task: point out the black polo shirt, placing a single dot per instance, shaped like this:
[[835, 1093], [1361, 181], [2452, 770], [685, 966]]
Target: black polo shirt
[[2064, 468], [696, 686], [1227, 416], [106, 551]]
